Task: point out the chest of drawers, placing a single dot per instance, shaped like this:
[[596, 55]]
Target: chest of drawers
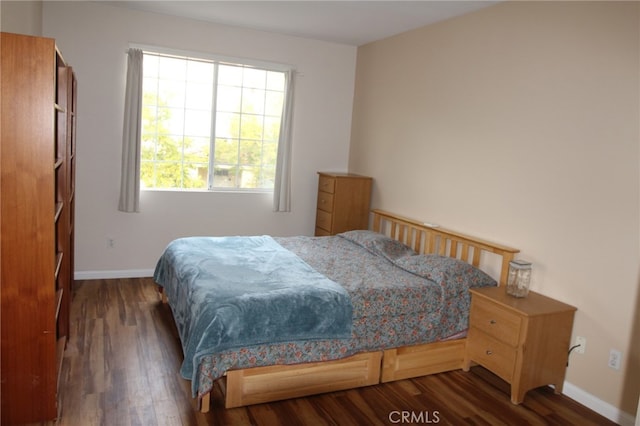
[[524, 341], [343, 203]]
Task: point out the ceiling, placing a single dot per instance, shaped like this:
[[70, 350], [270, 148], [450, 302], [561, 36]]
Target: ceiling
[[347, 22]]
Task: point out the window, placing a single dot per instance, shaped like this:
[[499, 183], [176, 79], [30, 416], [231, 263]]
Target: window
[[210, 124]]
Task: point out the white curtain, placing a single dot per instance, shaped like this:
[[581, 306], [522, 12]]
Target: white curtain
[[282, 185], [130, 173]]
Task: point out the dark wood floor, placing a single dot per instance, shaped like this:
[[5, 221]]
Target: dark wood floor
[[122, 360]]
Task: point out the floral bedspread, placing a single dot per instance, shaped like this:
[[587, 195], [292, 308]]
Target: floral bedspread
[[391, 308]]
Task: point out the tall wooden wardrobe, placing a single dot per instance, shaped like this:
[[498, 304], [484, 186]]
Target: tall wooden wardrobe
[[37, 168]]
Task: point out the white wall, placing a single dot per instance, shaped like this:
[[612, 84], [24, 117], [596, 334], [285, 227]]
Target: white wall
[[520, 123], [93, 38], [21, 17]]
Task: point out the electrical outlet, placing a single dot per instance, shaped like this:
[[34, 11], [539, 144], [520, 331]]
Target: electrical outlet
[[111, 242], [582, 344], [614, 359]]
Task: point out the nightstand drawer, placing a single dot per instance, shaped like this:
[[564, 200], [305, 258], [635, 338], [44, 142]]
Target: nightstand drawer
[[325, 201], [492, 353], [496, 321], [327, 184], [323, 220]]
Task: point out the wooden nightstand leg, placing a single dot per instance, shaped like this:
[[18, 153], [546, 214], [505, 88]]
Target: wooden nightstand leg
[[517, 396], [466, 361], [557, 388], [466, 364]]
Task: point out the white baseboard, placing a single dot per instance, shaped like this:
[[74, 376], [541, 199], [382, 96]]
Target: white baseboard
[[585, 398], [599, 406], [105, 275]]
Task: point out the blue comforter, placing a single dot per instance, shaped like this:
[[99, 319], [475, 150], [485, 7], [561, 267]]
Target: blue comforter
[[231, 292]]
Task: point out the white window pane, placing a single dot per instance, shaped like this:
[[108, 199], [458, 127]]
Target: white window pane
[[275, 80], [171, 92], [253, 101], [149, 117], [226, 152], [150, 66], [169, 174], [269, 154], [197, 123], [147, 147], [249, 177], [271, 129], [168, 148], [254, 78], [199, 96], [225, 176], [172, 68], [251, 127], [273, 103], [267, 177], [227, 125], [230, 75], [199, 72], [250, 152], [147, 179], [150, 91], [229, 98], [194, 175], [170, 121], [197, 149]]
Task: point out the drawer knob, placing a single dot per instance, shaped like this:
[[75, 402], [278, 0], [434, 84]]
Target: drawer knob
[[492, 321], [489, 352]]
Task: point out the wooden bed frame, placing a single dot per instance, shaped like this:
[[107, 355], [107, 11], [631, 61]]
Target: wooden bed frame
[[273, 383]]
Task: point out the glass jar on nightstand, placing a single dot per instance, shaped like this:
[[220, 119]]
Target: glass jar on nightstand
[[519, 278]]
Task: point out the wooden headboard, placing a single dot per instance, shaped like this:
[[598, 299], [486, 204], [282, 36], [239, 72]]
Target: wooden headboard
[[427, 239]]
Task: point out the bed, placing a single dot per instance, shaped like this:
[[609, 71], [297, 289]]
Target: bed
[[277, 318]]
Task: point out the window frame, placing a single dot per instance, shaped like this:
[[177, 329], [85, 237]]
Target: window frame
[[217, 60]]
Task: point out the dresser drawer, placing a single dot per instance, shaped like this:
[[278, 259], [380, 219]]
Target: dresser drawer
[[491, 353], [327, 184], [495, 320], [325, 201], [323, 220]]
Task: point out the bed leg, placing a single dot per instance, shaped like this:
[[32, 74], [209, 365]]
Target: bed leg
[[205, 403]]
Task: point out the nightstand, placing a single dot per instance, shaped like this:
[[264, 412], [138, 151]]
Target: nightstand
[[524, 341]]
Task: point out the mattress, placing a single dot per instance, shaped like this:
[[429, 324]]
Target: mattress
[[394, 304]]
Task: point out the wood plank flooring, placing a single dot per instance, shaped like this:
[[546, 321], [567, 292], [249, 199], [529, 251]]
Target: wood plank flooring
[[123, 356]]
